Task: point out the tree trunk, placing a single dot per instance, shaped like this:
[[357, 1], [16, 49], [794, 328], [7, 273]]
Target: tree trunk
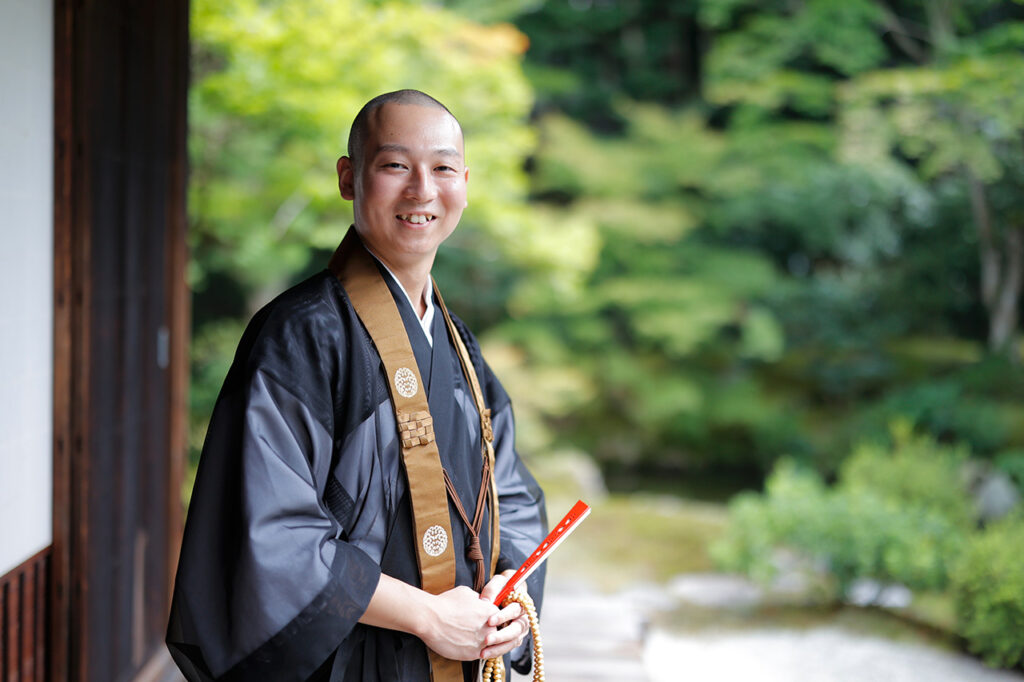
[[1002, 273], [1005, 310]]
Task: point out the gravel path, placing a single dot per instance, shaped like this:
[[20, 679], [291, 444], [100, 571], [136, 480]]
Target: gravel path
[[597, 637], [822, 654], [591, 637]]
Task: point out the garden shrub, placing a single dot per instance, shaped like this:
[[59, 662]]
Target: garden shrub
[[988, 589], [850, 532], [758, 524], [895, 515], [916, 473]]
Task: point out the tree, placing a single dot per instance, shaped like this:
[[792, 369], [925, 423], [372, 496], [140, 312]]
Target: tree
[[732, 209], [958, 115], [921, 91]]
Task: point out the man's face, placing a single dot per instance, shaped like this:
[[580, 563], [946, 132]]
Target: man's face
[[410, 189]]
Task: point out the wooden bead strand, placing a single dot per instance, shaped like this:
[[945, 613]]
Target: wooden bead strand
[[494, 668]]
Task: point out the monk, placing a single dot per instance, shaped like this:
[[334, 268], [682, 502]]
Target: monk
[[306, 554]]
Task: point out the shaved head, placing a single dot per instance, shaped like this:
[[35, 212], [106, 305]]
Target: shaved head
[[361, 125], [406, 177]]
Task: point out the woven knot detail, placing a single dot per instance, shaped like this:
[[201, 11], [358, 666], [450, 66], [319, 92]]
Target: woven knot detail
[[473, 551], [415, 428], [486, 430]]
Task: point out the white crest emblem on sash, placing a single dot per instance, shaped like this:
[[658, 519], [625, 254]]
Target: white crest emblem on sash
[[405, 382], [435, 541]]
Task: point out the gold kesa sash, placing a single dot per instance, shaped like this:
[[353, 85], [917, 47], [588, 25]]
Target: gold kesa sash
[[370, 296]]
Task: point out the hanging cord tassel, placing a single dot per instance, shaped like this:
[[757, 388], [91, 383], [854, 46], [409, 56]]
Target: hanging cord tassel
[[494, 668]]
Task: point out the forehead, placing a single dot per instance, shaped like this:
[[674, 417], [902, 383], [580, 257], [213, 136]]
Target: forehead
[[417, 128]]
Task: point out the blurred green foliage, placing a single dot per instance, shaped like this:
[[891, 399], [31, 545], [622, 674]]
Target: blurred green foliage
[[988, 585], [702, 235], [1011, 462], [897, 514], [915, 472], [781, 275]]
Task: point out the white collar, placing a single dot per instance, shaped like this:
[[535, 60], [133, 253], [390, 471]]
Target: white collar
[[427, 321]]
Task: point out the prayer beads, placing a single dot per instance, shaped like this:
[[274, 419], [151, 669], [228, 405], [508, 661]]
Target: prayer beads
[[494, 668]]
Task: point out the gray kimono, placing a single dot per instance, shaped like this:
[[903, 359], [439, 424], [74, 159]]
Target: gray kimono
[[300, 499]]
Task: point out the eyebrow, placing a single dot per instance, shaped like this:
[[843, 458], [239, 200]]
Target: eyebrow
[[402, 149]]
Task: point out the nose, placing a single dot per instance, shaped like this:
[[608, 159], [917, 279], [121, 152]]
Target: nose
[[421, 187]]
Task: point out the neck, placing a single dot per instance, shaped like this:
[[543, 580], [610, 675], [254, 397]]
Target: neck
[[413, 279], [414, 285]]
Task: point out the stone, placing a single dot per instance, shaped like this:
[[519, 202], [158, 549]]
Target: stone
[[995, 496]]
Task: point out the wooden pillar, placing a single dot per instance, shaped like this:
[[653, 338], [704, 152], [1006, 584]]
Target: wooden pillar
[[121, 330]]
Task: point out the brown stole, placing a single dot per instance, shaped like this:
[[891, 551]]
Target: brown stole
[[428, 483]]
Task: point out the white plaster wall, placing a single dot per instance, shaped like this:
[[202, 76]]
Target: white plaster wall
[[26, 279]]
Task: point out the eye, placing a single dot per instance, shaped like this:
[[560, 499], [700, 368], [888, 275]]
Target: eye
[[445, 169], [392, 165]]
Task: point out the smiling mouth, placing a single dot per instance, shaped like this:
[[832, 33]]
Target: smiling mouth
[[416, 218]]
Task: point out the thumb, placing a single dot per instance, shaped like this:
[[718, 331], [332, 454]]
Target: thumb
[[493, 587]]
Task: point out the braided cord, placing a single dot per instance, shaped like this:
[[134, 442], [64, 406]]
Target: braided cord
[[494, 668]]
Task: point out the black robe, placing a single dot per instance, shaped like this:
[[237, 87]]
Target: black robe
[[300, 500]]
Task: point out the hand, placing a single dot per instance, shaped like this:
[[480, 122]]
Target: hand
[[511, 622], [460, 624]]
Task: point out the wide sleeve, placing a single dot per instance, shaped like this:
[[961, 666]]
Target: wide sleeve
[[266, 587], [523, 517]]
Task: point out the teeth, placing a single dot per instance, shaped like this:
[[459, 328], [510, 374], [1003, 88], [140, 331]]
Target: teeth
[[416, 219]]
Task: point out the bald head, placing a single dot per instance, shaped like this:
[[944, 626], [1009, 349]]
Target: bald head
[[361, 125], [409, 189]]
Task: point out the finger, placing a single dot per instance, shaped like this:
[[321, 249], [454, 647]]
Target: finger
[[509, 613], [500, 647], [493, 587], [524, 625], [505, 635], [496, 651]]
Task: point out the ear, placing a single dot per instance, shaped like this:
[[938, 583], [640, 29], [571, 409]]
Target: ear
[[346, 178], [466, 180]]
